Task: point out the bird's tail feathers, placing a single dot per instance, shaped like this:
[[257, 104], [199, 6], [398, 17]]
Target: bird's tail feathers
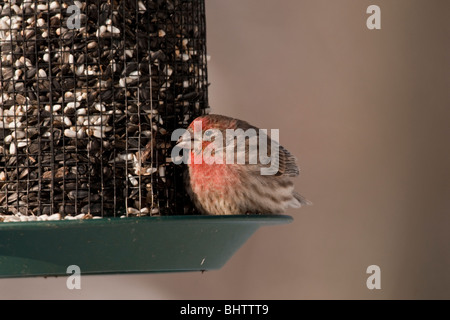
[[299, 201]]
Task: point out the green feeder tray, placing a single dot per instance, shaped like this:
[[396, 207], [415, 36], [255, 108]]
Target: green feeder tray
[[128, 245]]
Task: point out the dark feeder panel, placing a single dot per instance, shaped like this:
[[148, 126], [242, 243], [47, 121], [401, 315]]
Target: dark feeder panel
[[90, 93]]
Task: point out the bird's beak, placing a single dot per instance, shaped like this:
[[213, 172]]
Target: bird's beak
[[186, 141]]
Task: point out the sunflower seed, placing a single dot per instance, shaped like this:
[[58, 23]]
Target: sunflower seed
[[70, 133], [55, 216]]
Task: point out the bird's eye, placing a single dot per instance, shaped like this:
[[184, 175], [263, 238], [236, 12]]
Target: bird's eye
[[208, 133]]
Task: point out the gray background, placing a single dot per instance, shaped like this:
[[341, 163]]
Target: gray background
[[367, 114]]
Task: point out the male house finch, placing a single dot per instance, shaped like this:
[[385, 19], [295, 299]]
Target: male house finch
[[221, 184]]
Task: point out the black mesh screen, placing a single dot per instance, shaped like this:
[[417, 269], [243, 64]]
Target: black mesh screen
[[90, 92]]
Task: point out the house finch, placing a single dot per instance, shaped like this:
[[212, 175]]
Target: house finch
[[228, 172]]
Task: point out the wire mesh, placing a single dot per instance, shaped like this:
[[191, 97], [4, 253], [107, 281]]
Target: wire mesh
[[90, 92]]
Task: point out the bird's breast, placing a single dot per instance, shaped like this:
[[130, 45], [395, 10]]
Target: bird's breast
[[213, 177]]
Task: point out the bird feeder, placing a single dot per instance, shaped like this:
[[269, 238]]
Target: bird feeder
[[90, 92]]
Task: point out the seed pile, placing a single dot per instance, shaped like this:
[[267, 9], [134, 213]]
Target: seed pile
[[89, 94]]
